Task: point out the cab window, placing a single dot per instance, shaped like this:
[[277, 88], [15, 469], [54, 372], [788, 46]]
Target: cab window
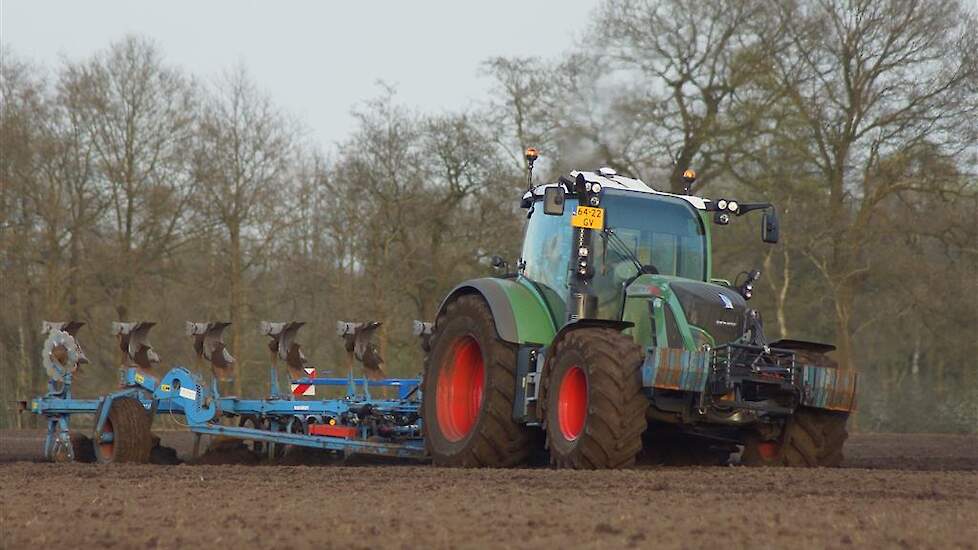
[[546, 255]]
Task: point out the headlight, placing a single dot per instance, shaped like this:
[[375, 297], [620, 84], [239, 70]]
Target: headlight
[[722, 204], [595, 187], [733, 206]]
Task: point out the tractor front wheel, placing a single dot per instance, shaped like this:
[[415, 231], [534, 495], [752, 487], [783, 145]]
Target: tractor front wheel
[[594, 405], [810, 438], [468, 387]]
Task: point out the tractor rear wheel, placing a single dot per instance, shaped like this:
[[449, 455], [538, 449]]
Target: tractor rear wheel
[[469, 387], [129, 425], [810, 438], [594, 405]]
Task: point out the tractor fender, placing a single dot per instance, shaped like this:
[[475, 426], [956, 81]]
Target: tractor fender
[[520, 314]]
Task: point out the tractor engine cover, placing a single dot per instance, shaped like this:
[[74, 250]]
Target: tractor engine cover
[[720, 311]]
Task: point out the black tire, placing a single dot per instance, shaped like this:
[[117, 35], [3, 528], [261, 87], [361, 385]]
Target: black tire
[[469, 387], [130, 425], [607, 431], [810, 438]]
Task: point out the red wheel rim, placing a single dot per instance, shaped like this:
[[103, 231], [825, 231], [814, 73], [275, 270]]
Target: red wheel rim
[[768, 450], [108, 448], [572, 403], [460, 389]]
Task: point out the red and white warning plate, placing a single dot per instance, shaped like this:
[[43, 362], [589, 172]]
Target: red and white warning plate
[[305, 389]]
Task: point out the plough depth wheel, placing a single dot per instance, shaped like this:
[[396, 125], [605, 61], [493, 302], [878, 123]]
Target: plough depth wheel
[[128, 427]]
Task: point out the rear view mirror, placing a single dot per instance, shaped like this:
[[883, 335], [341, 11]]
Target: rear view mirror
[[553, 201], [770, 227]]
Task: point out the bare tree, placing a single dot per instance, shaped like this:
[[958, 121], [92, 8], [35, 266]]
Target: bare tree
[[243, 158], [864, 81], [686, 60], [23, 109], [138, 113], [522, 108]]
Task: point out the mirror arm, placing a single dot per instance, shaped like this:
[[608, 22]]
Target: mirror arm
[[750, 207]]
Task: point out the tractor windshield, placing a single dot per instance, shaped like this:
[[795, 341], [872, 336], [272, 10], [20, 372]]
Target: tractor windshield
[[660, 231]]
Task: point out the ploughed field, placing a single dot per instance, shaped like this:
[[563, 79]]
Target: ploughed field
[[893, 491]]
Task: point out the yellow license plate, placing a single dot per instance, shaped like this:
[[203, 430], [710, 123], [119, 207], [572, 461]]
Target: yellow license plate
[[588, 217]]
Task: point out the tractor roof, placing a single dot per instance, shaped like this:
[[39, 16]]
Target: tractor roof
[[616, 181]]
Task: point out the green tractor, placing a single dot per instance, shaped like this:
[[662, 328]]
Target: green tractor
[[611, 343]]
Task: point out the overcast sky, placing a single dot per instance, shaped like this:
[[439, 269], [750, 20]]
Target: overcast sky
[[316, 59]]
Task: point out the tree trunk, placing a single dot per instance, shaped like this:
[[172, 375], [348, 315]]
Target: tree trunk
[[124, 301], [74, 265], [843, 330], [235, 299], [30, 347], [780, 290], [843, 333], [23, 389]]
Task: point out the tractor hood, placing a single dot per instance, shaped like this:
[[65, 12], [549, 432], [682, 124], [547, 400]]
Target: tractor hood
[[718, 310]]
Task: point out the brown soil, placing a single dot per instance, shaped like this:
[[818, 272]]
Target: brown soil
[[226, 451], [894, 490]]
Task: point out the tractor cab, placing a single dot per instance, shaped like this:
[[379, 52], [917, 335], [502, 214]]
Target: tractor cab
[[601, 246]]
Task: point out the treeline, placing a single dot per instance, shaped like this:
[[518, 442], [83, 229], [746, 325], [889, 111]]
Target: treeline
[[133, 190]]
